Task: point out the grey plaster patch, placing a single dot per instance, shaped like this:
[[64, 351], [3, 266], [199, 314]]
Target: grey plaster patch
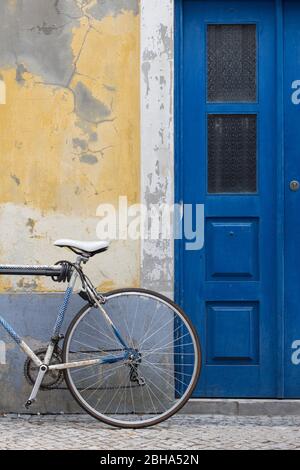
[[20, 70], [36, 34], [93, 137], [46, 28], [157, 195], [146, 66], [87, 107], [89, 159], [27, 284], [31, 224], [162, 80], [16, 179], [161, 134], [149, 55], [105, 8], [68, 8], [156, 269], [166, 39], [82, 144]]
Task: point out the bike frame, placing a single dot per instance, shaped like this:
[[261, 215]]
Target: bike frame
[[44, 366]]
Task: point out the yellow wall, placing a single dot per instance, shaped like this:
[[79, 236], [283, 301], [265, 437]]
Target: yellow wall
[[69, 145]]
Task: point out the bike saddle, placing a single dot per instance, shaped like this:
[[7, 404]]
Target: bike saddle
[[81, 247]]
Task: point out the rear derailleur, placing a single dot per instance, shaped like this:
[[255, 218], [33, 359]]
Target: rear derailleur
[[135, 377]]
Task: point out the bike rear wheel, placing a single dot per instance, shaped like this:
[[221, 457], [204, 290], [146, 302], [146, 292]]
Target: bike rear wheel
[[140, 392]]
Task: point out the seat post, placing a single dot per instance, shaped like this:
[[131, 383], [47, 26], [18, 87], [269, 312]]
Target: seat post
[[81, 259]]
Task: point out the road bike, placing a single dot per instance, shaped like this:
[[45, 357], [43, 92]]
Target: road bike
[[130, 358]]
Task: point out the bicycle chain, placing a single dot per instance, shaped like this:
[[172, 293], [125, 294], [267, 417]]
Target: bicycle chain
[[54, 377]]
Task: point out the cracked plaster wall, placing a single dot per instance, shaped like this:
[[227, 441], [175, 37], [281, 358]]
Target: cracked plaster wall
[[69, 131], [80, 88]]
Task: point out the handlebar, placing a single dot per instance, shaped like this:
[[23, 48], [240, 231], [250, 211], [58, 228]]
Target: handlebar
[[27, 270]]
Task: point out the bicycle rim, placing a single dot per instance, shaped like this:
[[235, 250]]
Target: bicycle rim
[[157, 383]]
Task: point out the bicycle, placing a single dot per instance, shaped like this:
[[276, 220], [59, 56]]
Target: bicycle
[[130, 358]]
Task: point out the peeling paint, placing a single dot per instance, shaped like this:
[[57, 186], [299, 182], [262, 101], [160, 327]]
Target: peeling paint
[[70, 130], [146, 66], [166, 39], [93, 137], [82, 144], [88, 107], [15, 179], [47, 55], [26, 284], [104, 8], [31, 224], [89, 159], [157, 158], [149, 55], [20, 70], [162, 80]]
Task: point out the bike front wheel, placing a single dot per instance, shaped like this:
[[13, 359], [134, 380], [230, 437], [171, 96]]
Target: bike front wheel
[[139, 392]]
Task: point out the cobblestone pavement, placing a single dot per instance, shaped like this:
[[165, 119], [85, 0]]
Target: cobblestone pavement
[[179, 433]]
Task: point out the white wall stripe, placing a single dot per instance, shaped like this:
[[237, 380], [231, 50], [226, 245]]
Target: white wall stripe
[[157, 134]]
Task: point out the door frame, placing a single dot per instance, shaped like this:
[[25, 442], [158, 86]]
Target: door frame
[[179, 165]]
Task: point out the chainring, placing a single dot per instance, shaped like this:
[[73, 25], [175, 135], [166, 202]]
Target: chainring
[[52, 378]]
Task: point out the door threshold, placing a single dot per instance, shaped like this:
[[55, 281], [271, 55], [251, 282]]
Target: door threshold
[[242, 407]]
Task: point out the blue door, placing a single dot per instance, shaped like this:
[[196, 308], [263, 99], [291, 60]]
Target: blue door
[[228, 158], [291, 76]]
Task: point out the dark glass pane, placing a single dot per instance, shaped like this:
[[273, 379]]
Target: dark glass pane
[[231, 58], [232, 153]]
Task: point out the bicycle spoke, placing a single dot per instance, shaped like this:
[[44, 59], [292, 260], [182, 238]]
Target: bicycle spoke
[[168, 374], [157, 376], [100, 332]]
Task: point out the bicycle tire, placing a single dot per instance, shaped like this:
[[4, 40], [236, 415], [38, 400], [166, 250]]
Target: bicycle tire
[[75, 391]]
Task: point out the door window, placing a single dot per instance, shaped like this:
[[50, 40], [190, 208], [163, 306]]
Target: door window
[[231, 62], [231, 79], [232, 153]]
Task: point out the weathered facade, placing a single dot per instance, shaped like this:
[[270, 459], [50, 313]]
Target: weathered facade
[[161, 101], [86, 116], [70, 140]]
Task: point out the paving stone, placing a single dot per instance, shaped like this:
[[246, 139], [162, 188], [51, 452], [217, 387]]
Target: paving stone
[[181, 432]]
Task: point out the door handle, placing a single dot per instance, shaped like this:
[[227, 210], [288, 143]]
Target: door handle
[[294, 185]]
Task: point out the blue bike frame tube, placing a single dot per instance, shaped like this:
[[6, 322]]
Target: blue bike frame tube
[[10, 331], [64, 305], [26, 349], [111, 324], [119, 337]]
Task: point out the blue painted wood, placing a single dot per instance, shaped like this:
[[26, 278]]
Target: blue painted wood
[[292, 199], [280, 196], [227, 237], [240, 320], [235, 312]]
